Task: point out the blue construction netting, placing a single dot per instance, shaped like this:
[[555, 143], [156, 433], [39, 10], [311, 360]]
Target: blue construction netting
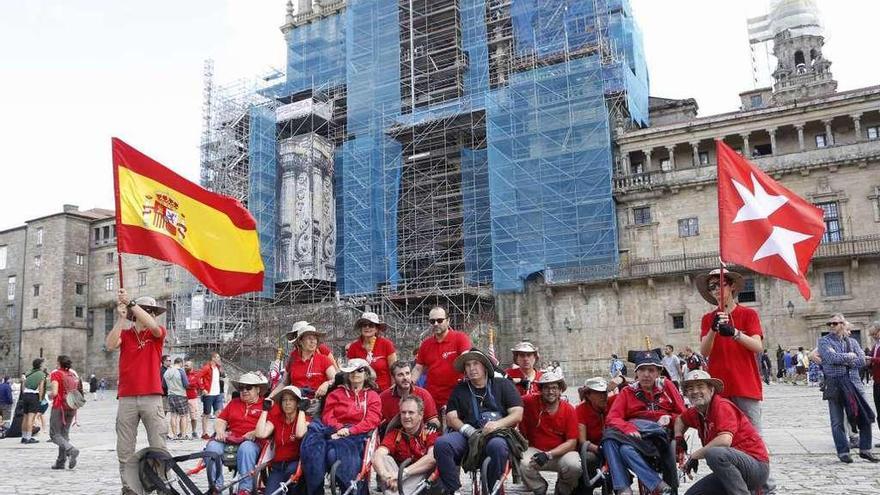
[[262, 190], [477, 219], [316, 54]]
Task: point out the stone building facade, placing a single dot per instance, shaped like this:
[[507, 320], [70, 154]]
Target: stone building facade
[[822, 144], [65, 268]]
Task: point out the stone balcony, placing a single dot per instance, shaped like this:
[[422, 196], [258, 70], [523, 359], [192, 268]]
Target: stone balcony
[[856, 247], [775, 165]]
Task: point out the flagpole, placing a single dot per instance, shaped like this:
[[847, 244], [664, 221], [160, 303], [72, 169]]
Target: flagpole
[[118, 219], [718, 142]]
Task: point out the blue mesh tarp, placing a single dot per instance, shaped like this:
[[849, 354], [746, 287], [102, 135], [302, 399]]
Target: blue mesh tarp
[[477, 220], [262, 188], [316, 54]]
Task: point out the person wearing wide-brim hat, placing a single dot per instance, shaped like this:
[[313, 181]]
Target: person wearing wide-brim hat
[[731, 338], [498, 405], [293, 333], [551, 427], [526, 373], [591, 412], [237, 423], [732, 447], [376, 349], [286, 423], [307, 368], [649, 398]]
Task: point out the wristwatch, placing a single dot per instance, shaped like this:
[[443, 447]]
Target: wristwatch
[[131, 304]]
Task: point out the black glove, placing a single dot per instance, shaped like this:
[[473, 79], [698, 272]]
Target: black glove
[[715, 322], [525, 384], [692, 465], [305, 404], [431, 427], [267, 404], [726, 330], [541, 458]]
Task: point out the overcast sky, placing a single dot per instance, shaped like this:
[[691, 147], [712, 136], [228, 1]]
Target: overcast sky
[[76, 72]]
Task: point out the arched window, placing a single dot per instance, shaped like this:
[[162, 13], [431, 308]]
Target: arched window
[[798, 58]]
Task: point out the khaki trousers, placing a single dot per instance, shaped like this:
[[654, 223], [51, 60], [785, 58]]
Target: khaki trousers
[[131, 411], [409, 484], [568, 467]]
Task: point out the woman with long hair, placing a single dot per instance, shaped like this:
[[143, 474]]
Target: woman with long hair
[[377, 350]]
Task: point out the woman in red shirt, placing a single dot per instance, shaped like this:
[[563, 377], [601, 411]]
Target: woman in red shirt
[[287, 424], [308, 369], [378, 351]]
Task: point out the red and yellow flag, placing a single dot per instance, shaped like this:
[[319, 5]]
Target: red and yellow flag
[[164, 216]]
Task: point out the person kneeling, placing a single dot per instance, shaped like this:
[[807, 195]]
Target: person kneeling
[[236, 424], [732, 447], [286, 422], [551, 427], [414, 441]]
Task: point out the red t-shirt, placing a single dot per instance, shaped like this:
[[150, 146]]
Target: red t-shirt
[[378, 358], [359, 412], [192, 390], [308, 373], [724, 416], [402, 446], [57, 375], [240, 417], [391, 403], [546, 431], [438, 358], [732, 363], [631, 404], [323, 349], [593, 420], [284, 435], [517, 373], [140, 357]]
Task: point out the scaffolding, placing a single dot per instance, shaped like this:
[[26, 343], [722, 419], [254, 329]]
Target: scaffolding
[[422, 153]]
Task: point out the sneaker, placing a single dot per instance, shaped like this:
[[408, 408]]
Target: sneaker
[[32, 440], [868, 456], [58, 464], [195, 436], [845, 458], [71, 457]]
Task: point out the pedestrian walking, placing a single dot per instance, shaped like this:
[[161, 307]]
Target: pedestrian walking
[[33, 392], [617, 367], [93, 386], [6, 400], [175, 378], [140, 339], [212, 397], [102, 387], [194, 403], [766, 367], [672, 365], [63, 381], [842, 357]]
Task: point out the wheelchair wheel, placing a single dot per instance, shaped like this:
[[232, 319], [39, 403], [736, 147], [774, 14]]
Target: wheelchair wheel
[[484, 476], [334, 489]]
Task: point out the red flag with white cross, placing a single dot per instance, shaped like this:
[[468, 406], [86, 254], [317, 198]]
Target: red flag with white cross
[[762, 225]]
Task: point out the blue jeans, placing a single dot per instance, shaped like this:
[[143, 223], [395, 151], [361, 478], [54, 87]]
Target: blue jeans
[[623, 458], [841, 442], [245, 460], [280, 472], [451, 448]]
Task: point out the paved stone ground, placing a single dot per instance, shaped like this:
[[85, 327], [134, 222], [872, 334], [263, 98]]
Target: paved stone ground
[[796, 429]]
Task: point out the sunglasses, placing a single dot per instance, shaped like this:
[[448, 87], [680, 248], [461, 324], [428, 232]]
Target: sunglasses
[[833, 323], [245, 388], [434, 321], [360, 370]]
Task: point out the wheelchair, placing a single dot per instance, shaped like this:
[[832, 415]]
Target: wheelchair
[[427, 485], [228, 460], [601, 478], [362, 479]]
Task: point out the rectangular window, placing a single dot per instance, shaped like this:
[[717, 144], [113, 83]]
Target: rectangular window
[[763, 150], [110, 258], [38, 260], [678, 321], [636, 168], [35, 313], [109, 315], [142, 278], [834, 284], [80, 289], [97, 234], [756, 101], [748, 292], [642, 215], [39, 236], [665, 165], [105, 232], [833, 232], [37, 290], [10, 288], [168, 275], [80, 259], [108, 283], [704, 157], [10, 311], [689, 227], [2, 257], [873, 132], [78, 311], [820, 141]]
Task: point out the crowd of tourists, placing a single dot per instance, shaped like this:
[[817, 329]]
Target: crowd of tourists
[[454, 406]]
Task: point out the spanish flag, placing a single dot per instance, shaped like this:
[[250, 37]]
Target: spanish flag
[[164, 216]]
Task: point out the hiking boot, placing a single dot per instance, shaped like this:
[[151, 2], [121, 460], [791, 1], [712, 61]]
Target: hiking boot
[[72, 454], [59, 464], [868, 456], [845, 458]]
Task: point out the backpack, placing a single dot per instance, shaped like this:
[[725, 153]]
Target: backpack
[[73, 398]]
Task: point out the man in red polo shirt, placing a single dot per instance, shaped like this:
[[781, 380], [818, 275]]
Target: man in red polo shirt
[[140, 340], [591, 420], [525, 376], [413, 441], [436, 357], [732, 447], [404, 387], [551, 427]]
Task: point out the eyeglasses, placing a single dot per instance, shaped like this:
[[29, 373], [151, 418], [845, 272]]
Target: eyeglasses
[[435, 321], [834, 323]]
